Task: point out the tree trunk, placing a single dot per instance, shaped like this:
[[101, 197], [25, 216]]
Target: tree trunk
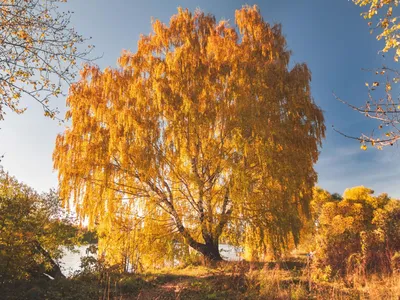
[[209, 250], [55, 270], [212, 252]]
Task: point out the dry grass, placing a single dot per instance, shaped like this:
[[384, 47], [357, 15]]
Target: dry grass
[[386, 287], [228, 280], [282, 280]]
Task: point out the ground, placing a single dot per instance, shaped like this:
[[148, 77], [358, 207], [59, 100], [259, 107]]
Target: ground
[[288, 279], [227, 281]]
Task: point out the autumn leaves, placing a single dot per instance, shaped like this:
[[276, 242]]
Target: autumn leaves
[[196, 132]]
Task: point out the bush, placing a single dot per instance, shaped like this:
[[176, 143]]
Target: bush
[[357, 235]]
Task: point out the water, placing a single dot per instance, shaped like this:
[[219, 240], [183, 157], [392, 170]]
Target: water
[[231, 253], [71, 261]]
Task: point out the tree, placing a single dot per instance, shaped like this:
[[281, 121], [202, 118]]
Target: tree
[[311, 225], [32, 229], [38, 52], [202, 129], [381, 105]]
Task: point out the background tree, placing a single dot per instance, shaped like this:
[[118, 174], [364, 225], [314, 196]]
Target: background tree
[[204, 125], [32, 229], [38, 52], [311, 224]]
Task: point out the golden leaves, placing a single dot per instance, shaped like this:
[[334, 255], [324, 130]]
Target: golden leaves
[[197, 113], [22, 34], [389, 25]]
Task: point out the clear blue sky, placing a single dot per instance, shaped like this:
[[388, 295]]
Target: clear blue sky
[[330, 36]]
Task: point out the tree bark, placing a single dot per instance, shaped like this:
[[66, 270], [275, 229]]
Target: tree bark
[[55, 270], [211, 252], [209, 249]]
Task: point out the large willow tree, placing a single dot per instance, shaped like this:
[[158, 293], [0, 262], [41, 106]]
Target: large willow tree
[[202, 133]]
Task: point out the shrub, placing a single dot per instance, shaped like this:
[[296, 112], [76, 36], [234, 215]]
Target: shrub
[[357, 235]]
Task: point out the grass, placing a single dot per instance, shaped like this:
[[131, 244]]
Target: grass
[[227, 280], [273, 280]]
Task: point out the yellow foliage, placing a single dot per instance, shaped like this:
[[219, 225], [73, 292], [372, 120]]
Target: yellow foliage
[[390, 27], [357, 232], [358, 193], [199, 130]]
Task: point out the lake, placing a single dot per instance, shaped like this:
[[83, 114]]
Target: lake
[[72, 259]]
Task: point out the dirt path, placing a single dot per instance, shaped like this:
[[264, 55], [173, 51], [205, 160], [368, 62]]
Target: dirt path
[[198, 285], [166, 291]]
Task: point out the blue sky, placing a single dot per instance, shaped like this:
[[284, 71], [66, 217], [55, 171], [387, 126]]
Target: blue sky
[[330, 36]]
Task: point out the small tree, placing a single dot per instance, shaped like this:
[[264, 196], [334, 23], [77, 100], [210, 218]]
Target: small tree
[[32, 229], [38, 52], [203, 129]]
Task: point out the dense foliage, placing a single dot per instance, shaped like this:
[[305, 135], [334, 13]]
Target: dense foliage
[[32, 229], [359, 234], [203, 133]]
